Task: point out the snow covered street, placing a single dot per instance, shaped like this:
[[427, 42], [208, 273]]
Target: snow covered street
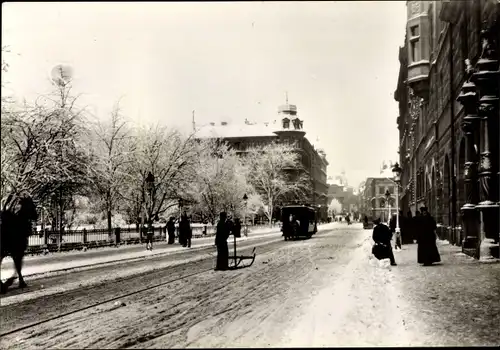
[[325, 291]]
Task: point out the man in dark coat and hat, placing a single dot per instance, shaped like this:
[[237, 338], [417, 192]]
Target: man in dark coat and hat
[[382, 236], [185, 232], [221, 236], [427, 252], [416, 224]]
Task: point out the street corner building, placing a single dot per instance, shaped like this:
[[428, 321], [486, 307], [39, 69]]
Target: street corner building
[[288, 128], [378, 196], [448, 94]]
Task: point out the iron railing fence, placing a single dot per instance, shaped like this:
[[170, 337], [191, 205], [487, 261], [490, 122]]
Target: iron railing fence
[[49, 240]]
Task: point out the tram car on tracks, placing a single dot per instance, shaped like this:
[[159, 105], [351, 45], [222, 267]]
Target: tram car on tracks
[[298, 221]]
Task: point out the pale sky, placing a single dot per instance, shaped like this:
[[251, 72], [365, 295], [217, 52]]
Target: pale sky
[[227, 61]]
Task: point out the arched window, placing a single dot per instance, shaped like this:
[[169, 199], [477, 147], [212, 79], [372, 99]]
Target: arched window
[[381, 203]]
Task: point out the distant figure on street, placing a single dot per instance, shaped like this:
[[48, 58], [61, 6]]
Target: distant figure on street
[[185, 232], [171, 230], [348, 219], [221, 236], [416, 223], [392, 226], [382, 237], [407, 236], [149, 237], [427, 252]]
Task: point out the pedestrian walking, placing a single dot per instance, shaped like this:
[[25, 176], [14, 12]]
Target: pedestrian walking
[[171, 230], [416, 225], [221, 235], [407, 235], [427, 252], [392, 226], [149, 238], [185, 231], [382, 237]]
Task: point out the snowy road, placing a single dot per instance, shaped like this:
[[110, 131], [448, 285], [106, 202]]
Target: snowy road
[[303, 293]]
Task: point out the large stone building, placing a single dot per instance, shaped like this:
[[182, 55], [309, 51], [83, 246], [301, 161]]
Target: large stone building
[[372, 198], [448, 118], [288, 129]]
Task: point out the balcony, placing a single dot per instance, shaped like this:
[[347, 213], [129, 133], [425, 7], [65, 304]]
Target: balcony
[[418, 45], [418, 78]]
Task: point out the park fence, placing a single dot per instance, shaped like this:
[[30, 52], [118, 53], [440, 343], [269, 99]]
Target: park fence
[[51, 241]]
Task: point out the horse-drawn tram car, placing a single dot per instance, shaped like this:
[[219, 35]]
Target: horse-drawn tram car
[[298, 221]]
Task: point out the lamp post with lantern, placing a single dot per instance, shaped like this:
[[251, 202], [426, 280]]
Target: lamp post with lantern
[[396, 170], [387, 197], [245, 201]]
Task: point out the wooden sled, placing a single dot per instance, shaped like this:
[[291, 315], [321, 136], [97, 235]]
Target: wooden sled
[[238, 259]]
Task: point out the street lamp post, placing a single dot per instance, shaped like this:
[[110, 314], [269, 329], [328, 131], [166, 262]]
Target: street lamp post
[[180, 215], [388, 196], [150, 183], [245, 200], [396, 170]]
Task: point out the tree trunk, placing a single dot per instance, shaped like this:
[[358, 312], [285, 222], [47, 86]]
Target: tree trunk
[[271, 210], [60, 220], [109, 223]]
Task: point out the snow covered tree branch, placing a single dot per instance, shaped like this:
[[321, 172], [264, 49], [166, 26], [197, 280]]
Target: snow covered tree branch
[[276, 173]]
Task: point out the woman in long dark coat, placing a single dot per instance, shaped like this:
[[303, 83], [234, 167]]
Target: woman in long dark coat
[[221, 236], [427, 252], [171, 230], [185, 231]]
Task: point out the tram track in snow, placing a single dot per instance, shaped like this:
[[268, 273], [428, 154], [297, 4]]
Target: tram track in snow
[[203, 265]]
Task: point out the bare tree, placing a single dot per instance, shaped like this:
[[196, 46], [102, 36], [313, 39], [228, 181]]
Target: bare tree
[[43, 151], [170, 158], [276, 173], [113, 149], [220, 182]]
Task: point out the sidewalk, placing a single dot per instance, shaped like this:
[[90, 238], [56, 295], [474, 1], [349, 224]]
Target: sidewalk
[[63, 261], [367, 302], [458, 299]]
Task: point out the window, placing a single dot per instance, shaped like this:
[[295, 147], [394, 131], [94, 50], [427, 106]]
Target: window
[[381, 190], [391, 189], [414, 31], [415, 43], [415, 54]]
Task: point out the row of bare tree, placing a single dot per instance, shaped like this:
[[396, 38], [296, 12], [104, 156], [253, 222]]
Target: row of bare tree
[[57, 152]]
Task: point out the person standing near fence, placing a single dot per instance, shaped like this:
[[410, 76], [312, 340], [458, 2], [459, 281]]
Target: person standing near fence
[[171, 230], [221, 236], [185, 232], [149, 238]]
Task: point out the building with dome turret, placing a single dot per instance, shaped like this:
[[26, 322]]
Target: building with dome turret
[[288, 128]]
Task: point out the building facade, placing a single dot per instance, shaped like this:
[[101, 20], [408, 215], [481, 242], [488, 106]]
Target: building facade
[[288, 129], [448, 119], [373, 201]]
